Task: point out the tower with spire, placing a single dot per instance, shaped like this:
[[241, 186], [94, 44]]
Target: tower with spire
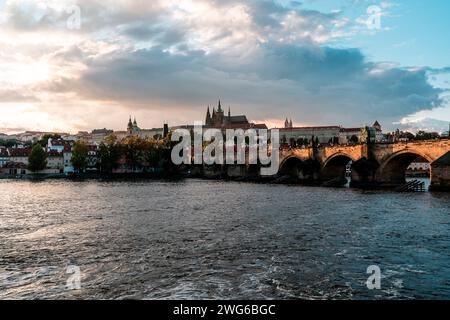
[[288, 124], [208, 118], [218, 118], [132, 127]]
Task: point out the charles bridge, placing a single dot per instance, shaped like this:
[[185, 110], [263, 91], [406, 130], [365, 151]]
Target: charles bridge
[[377, 165], [372, 165]]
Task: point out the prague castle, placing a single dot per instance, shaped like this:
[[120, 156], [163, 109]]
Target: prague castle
[[219, 120]]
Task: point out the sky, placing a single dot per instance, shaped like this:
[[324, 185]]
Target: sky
[[68, 65]]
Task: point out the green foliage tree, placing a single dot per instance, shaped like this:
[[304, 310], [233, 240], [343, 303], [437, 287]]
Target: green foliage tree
[[292, 142], [354, 139], [9, 143], [301, 142], [37, 160], [109, 154], [154, 153], [133, 148], [44, 140], [80, 156], [422, 135]]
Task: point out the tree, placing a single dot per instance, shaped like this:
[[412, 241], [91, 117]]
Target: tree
[[80, 156], [109, 154], [354, 139], [154, 153], [422, 135], [44, 140], [37, 160], [9, 143], [302, 142], [292, 142], [133, 148]]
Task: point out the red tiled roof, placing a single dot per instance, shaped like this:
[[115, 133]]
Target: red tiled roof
[[350, 129], [58, 142], [243, 126], [310, 128], [19, 152], [54, 153]]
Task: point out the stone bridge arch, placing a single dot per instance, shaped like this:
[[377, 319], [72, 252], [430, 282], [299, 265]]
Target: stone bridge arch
[[334, 167], [336, 157], [299, 169], [290, 165], [378, 165], [392, 170]]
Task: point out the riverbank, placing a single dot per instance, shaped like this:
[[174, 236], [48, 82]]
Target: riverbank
[[95, 176]]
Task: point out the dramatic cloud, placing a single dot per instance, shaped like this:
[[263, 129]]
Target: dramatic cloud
[[166, 60]]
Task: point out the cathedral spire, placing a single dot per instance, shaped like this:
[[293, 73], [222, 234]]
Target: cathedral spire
[[220, 107], [208, 117]]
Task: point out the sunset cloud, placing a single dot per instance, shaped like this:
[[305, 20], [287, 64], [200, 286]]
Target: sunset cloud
[[166, 60]]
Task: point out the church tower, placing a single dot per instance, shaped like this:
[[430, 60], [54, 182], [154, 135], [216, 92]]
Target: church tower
[[130, 127], [218, 121], [208, 118], [377, 125]]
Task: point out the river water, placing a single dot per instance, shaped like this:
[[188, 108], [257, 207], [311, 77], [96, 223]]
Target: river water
[[209, 239]]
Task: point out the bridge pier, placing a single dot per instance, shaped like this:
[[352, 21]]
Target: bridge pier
[[364, 173], [440, 174]]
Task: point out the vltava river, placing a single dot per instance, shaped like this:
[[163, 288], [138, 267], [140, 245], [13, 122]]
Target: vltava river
[[203, 239]]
